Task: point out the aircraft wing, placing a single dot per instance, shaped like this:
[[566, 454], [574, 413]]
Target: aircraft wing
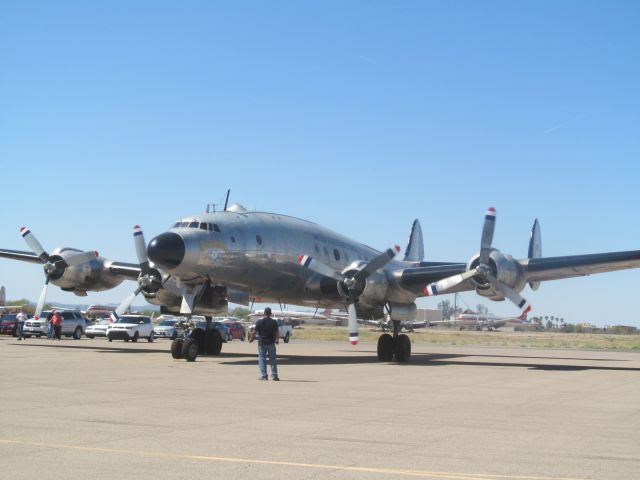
[[20, 255], [128, 270], [554, 268], [414, 279]]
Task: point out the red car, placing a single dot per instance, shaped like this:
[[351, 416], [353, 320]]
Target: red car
[[236, 329], [9, 324]]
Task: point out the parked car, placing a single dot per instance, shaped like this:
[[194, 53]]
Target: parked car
[[9, 324], [35, 327], [98, 329], [73, 324], [236, 329], [221, 327], [166, 329], [131, 327]]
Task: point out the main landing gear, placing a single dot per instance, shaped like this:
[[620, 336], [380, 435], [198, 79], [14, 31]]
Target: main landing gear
[[398, 345], [200, 342]]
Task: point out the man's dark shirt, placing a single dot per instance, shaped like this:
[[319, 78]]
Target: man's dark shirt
[[267, 330]]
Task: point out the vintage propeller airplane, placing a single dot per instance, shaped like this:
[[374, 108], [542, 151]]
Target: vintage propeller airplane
[[205, 261]]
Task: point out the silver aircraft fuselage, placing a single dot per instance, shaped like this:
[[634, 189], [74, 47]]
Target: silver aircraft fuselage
[[257, 253]]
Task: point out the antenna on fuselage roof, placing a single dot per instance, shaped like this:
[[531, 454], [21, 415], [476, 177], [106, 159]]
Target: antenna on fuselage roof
[[226, 202]]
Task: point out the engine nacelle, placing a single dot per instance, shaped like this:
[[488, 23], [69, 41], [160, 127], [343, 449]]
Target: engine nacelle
[[91, 275], [370, 293], [505, 268]]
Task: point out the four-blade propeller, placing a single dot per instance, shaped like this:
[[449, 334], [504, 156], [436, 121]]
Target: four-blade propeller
[[482, 271], [53, 267], [351, 283]]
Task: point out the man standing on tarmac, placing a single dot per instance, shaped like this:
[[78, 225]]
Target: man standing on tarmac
[[266, 330]]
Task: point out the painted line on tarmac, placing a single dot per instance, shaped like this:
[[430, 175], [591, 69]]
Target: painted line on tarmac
[[317, 466]]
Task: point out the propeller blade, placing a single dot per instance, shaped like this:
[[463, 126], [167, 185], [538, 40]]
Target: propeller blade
[[34, 244], [487, 235], [446, 283], [124, 306], [508, 292], [43, 295], [353, 324], [379, 261], [319, 267], [141, 249]]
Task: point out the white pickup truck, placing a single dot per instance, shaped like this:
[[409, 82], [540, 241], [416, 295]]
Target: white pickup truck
[[285, 330]]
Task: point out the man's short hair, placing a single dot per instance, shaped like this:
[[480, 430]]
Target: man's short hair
[[267, 311]]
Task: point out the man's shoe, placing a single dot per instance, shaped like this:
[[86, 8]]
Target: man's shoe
[[275, 379], [263, 378]]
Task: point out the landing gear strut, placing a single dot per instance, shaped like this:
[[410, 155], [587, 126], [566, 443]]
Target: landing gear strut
[[398, 345]]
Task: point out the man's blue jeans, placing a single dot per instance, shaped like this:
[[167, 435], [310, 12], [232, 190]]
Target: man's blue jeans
[[263, 352], [20, 330]]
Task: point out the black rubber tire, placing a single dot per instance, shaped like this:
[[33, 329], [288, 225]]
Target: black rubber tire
[[174, 335], [77, 333], [385, 348], [287, 337], [151, 338], [26, 336], [212, 342], [402, 348], [90, 336], [244, 337], [110, 339], [136, 335], [190, 350], [176, 348]]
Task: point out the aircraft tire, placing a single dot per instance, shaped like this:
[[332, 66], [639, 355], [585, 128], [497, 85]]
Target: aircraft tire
[[176, 348], [385, 347], [402, 350], [213, 342], [190, 350]]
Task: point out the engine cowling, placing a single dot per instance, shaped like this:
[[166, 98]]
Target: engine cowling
[[91, 275], [505, 268]]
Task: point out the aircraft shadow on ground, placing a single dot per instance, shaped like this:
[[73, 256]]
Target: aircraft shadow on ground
[[430, 360]]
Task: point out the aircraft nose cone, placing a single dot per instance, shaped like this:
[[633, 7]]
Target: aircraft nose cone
[[166, 250]]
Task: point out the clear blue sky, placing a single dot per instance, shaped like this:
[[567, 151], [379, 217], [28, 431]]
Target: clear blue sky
[[360, 116]]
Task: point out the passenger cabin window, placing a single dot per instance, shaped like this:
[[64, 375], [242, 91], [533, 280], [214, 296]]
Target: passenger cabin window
[[317, 249], [326, 252], [259, 239], [336, 254], [233, 239]]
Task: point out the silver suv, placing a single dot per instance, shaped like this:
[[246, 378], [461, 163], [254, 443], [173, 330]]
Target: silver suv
[[73, 324], [131, 327]]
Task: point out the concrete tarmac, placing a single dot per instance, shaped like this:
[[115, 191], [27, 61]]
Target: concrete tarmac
[[78, 409]]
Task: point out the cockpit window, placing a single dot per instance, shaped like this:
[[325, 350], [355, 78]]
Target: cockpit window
[[193, 225], [184, 224], [176, 225], [204, 226], [216, 228]]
